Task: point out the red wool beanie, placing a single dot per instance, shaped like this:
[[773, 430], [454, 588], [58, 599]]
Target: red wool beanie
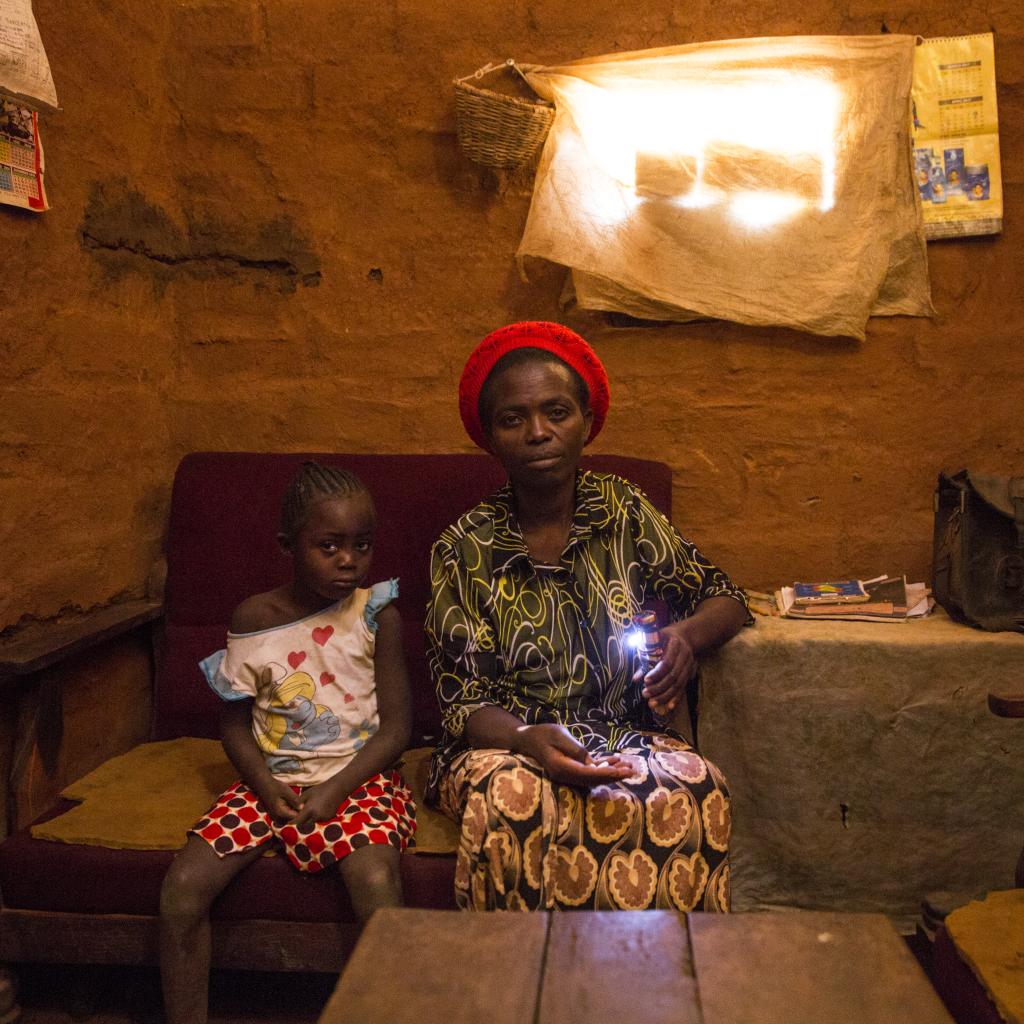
[[567, 345]]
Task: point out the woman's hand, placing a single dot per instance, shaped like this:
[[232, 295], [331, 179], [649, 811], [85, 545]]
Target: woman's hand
[[564, 759], [712, 623], [665, 684], [279, 799]]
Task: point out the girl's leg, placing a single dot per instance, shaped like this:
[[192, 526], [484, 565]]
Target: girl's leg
[[373, 878], [194, 880]]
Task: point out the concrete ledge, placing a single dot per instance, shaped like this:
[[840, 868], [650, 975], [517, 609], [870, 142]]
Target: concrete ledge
[[865, 766]]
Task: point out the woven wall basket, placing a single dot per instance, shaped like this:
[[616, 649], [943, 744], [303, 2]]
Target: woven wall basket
[[497, 130]]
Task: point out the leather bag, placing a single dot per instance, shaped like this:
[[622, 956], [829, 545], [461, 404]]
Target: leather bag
[[978, 566]]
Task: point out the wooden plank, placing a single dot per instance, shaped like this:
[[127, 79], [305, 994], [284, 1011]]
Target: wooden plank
[[35, 936], [41, 645], [805, 968], [619, 966], [420, 966], [283, 945]]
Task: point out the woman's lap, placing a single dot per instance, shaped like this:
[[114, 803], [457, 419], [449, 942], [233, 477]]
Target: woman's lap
[[657, 839]]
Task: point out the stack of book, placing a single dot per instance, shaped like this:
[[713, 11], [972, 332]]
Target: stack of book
[[883, 599]]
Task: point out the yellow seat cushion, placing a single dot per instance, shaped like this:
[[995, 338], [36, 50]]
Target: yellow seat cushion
[[989, 936], [148, 798]]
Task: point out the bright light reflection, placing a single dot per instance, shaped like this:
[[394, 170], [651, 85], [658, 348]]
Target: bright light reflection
[[764, 209], [634, 638], [763, 142], [698, 197]]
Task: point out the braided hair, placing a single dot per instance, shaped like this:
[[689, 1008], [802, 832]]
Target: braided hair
[[313, 482]]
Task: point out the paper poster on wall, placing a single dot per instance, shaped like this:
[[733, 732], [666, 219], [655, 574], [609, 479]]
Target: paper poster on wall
[[24, 70], [21, 158], [956, 136]]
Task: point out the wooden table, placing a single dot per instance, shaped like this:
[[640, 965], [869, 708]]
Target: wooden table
[[655, 967]]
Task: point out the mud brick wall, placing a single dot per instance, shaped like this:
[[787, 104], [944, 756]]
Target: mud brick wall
[[264, 236]]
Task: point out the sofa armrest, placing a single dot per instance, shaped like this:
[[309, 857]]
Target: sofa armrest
[[95, 659], [39, 646], [1006, 705]]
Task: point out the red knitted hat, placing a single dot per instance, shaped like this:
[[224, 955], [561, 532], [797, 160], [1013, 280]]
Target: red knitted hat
[[567, 345]]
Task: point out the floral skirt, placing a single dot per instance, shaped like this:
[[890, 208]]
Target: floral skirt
[[658, 839], [380, 811]]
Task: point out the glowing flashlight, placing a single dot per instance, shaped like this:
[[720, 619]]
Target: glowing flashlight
[[646, 638]]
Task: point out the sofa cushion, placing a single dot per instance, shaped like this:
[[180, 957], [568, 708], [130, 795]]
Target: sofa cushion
[[148, 798], [104, 849], [189, 707], [42, 875]]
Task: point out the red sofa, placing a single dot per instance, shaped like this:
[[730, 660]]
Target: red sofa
[[77, 903]]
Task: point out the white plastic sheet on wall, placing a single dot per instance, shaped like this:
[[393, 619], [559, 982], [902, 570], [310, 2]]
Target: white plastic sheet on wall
[[765, 181]]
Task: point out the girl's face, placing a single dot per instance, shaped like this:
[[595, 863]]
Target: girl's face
[[331, 554], [537, 429]]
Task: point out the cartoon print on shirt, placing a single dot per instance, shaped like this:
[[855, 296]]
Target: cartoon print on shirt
[[294, 721]]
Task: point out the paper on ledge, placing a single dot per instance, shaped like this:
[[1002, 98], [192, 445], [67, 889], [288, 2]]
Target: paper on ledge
[[919, 604]]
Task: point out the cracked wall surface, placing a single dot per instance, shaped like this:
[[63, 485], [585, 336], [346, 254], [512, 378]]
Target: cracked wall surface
[[119, 224], [264, 236]]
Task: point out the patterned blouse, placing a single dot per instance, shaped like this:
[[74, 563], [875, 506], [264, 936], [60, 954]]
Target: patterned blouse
[[547, 642]]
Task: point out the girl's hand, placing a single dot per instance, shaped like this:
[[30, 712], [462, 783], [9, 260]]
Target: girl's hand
[[279, 799], [318, 804], [665, 684], [565, 759]]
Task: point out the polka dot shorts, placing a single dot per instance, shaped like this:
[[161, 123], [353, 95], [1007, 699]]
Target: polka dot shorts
[[380, 811]]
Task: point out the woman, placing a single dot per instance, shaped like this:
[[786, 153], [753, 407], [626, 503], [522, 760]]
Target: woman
[[556, 759]]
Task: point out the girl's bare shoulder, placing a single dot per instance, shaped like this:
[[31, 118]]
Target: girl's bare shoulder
[[262, 611]]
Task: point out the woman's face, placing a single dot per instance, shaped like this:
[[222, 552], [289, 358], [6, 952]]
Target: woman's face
[[537, 429]]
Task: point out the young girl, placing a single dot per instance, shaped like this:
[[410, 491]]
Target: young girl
[[315, 715]]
